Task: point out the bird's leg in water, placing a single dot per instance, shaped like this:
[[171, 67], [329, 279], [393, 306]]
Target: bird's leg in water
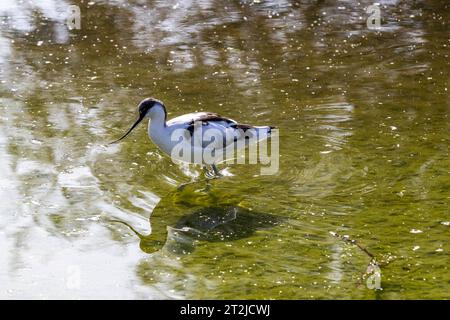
[[206, 172], [213, 173], [209, 175], [216, 171]]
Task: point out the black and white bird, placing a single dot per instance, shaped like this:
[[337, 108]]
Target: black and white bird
[[193, 133]]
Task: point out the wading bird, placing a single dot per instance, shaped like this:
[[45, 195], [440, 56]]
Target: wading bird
[[196, 133]]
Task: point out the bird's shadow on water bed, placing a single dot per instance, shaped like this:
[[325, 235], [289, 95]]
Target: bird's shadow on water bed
[[185, 219]]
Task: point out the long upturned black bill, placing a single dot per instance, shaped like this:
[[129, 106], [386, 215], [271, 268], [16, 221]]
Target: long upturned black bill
[[141, 117]]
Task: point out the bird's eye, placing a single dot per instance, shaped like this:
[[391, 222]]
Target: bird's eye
[[143, 108]]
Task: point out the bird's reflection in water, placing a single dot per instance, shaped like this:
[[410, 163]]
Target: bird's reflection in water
[[214, 224], [186, 218]]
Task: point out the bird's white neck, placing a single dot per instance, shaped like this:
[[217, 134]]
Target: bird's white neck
[[157, 127], [157, 115]]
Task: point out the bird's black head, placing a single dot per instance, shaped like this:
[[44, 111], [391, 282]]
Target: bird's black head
[[147, 104], [143, 109]]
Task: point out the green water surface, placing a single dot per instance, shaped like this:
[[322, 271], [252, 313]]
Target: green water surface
[[364, 136]]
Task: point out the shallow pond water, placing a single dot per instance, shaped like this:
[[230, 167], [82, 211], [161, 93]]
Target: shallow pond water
[[364, 125]]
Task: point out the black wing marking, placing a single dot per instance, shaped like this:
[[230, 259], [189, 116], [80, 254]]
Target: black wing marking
[[206, 118], [209, 117], [243, 127]]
